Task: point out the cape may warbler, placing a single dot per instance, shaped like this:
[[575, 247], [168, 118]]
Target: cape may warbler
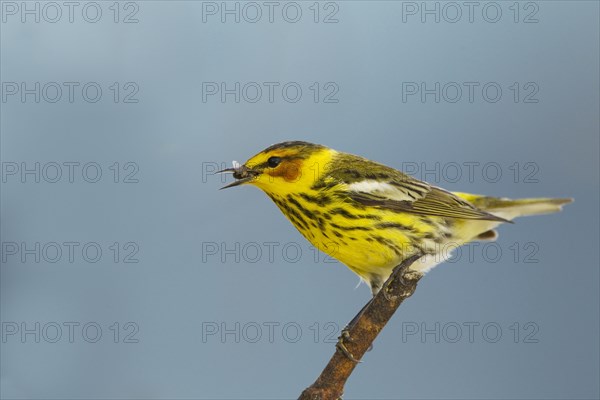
[[370, 216]]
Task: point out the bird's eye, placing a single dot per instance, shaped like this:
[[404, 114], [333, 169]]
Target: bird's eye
[[273, 161]]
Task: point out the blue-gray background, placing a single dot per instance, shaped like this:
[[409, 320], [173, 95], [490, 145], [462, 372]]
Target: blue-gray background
[[179, 290]]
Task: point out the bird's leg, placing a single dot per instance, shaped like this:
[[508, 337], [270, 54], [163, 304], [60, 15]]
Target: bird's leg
[[399, 272], [345, 334], [342, 347], [357, 316]]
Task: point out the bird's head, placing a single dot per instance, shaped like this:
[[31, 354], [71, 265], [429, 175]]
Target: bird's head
[[283, 168]]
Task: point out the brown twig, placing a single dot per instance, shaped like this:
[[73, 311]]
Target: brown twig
[[362, 331]]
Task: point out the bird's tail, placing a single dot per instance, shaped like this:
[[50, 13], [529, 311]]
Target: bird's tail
[[510, 209]]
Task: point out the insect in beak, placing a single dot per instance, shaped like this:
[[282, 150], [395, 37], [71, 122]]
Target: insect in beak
[[240, 172]]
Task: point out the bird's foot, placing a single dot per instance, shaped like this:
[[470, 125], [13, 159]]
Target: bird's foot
[[345, 336], [387, 295]]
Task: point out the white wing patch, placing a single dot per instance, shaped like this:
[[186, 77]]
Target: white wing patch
[[384, 190], [371, 186]]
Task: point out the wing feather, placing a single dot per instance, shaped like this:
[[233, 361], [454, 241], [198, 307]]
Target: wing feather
[[384, 187], [436, 202]]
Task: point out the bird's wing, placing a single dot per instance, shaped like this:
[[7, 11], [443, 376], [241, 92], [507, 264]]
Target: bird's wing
[[436, 202], [384, 187]]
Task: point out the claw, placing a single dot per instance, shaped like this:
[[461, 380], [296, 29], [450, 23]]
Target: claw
[[402, 280], [398, 274], [345, 334], [340, 345], [386, 294]]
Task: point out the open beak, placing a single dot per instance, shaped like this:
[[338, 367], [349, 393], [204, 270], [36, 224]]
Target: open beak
[[240, 172], [238, 182]]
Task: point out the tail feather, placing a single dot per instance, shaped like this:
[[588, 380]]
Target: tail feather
[[509, 208]]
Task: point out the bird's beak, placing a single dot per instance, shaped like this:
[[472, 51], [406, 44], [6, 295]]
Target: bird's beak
[[238, 182], [240, 172]]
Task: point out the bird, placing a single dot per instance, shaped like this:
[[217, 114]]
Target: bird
[[371, 217]]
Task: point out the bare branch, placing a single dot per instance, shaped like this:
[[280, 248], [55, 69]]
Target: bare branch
[[359, 335]]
